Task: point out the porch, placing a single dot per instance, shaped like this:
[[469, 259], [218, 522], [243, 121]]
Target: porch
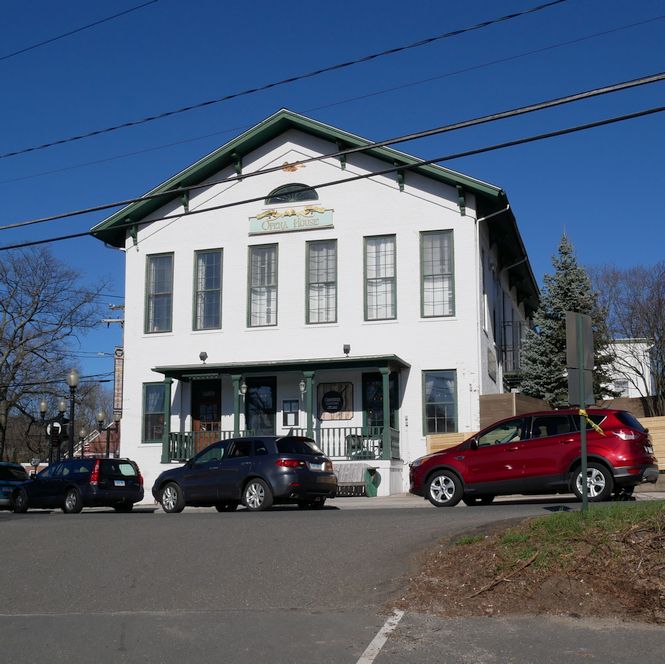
[[337, 443]]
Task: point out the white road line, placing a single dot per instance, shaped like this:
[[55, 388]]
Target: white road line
[[374, 648]]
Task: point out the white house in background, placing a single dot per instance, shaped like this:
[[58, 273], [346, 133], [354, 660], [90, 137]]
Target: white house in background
[[367, 314], [631, 369]]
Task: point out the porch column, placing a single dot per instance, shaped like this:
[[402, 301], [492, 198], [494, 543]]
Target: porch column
[[385, 375], [309, 401], [235, 378], [166, 455]]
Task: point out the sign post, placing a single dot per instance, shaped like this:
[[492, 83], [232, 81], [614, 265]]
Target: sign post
[[579, 352]]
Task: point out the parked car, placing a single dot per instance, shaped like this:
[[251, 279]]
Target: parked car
[[540, 453], [73, 484], [256, 472], [12, 475]]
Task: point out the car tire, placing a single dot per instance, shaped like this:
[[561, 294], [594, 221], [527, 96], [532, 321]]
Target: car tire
[[230, 506], [600, 482], [472, 501], [316, 504], [172, 498], [444, 489], [124, 507], [20, 502], [72, 503], [257, 495]]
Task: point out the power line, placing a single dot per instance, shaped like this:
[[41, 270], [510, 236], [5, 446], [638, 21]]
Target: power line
[[73, 32], [287, 81], [340, 102], [386, 171], [90, 378], [521, 110]]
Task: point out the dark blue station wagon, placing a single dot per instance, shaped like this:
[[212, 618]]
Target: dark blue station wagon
[[256, 472]]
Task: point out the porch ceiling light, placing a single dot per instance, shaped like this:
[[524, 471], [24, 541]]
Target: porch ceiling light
[[203, 356], [347, 349], [243, 388], [302, 385]]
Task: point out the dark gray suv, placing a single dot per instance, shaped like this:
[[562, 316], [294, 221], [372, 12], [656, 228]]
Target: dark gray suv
[[256, 472]]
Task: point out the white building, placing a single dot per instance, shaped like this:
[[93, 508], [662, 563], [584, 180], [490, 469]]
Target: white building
[[368, 314], [631, 368]]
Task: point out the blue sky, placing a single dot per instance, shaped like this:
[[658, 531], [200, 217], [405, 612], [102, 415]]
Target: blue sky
[[602, 186]]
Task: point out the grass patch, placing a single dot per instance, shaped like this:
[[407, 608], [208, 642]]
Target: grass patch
[[465, 540]]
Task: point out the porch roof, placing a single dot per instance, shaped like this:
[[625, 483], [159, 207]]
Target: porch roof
[[186, 372]]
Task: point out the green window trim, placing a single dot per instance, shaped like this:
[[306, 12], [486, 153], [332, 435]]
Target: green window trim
[[390, 281], [450, 421], [202, 293], [271, 290], [445, 306], [155, 410], [163, 297], [325, 283]]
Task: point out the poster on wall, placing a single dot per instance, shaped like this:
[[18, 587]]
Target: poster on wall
[[335, 401]]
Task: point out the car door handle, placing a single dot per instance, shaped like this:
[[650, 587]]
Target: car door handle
[[513, 449], [568, 441], [245, 463]]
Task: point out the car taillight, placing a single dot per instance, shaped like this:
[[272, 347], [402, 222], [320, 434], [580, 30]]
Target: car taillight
[[627, 434], [290, 463], [328, 467], [140, 478], [94, 475]]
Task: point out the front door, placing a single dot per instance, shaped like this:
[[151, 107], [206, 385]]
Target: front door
[[206, 412], [260, 406], [373, 400]]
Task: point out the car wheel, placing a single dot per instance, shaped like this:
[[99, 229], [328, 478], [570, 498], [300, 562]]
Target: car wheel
[[444, 489], [599, 482], [471, 501], [73, 503], [172, 499], [124, 507], [316, 504], [231, 506], [257, 496], [20, 501]]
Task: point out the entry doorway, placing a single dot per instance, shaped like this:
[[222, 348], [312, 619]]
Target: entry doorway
[[206, 412], [261, 406]]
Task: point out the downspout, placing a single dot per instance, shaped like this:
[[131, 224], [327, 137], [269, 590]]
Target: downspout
[[479, 363]]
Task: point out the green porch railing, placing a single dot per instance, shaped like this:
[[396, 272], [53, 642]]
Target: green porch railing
[[354, 443], [185, 444]]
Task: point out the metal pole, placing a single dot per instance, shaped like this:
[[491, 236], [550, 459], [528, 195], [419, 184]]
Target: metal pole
[[108, 440], [72, 392], [582, 405]]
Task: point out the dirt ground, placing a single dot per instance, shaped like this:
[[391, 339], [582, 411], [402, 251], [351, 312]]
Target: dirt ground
[[619, 575]]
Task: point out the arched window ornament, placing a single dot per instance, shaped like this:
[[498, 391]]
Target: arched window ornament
[[291, 193]]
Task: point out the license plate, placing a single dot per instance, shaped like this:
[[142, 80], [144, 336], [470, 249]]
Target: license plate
[[118, 482], [316, 466]]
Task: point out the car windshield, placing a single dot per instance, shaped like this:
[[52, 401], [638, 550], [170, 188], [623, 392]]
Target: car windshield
[[12, 474], [630, 421], [293, 445]]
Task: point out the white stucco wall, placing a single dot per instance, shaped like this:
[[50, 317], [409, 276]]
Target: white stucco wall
[[363, 208]]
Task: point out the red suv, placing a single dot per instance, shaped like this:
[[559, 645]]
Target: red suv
[[539, 453]]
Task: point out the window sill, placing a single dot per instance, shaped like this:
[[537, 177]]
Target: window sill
[[383, 321]]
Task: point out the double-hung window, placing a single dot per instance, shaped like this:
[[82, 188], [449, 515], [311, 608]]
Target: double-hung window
[[153, 412], [159, 293], [262, 285], [208, 290], [322, 281], [439, 401], [437, 279], [380, 278]]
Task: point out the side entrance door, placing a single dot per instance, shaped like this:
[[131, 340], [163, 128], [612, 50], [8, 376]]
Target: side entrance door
[[206, 412], [260, 406]]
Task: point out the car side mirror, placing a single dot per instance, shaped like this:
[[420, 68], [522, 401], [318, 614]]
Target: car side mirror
[[33, 475], [473, 444]]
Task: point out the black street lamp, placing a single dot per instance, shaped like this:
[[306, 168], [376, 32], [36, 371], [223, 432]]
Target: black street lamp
[[42, 414], [72, 381], [82, 434], [116, 428], [62, 407], [101, 416]]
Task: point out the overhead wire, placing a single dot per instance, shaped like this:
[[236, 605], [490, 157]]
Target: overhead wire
[[395, 169], [75, 31], [492, 117], [292, 79], [340, 102]]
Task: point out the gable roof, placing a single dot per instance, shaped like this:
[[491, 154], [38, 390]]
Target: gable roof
[[490, 198]]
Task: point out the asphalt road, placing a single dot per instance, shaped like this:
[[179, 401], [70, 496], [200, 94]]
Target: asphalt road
[[282, 586]]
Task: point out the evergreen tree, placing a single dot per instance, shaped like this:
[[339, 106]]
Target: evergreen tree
[[544, 368]]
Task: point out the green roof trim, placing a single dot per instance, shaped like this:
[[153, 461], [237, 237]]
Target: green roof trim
[[232, 152]]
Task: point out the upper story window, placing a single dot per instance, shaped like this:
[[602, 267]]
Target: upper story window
[[262, 285], [208, 290], [437, 283], [159, 293], [321, 302], [380, 278], [291, 193]]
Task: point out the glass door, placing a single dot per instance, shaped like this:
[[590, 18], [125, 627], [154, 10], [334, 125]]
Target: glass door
[[260, 406]]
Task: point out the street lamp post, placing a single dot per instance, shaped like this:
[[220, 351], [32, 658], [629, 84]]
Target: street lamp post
[[72, 381], [42, 414], [82, 435], [101, 416], [116, 428], [62, 407]]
